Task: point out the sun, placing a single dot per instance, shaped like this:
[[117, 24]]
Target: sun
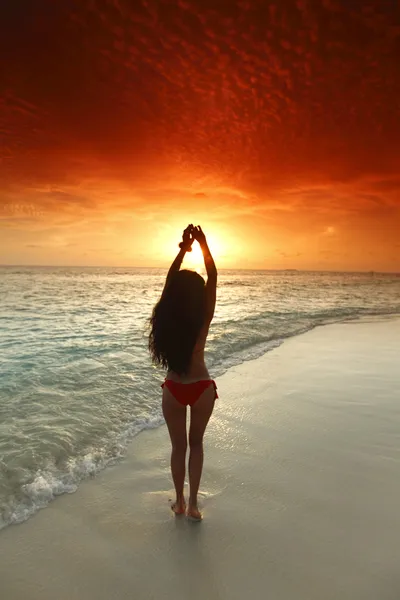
[[220, 240], [194, 259]]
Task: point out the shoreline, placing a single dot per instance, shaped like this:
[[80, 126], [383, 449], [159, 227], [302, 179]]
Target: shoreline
[[299, 491], [51, 495]]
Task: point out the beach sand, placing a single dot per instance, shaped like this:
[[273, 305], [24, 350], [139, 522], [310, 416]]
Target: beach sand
[[301, 492]]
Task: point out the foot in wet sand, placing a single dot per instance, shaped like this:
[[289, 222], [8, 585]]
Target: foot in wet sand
[[194, 514], [179, 507]]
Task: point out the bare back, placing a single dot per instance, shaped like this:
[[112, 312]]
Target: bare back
[[198, 369]]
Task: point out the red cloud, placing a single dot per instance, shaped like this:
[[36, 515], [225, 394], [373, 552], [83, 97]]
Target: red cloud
[[160, 95]]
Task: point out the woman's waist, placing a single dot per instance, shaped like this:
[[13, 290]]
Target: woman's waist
[[192, 375]]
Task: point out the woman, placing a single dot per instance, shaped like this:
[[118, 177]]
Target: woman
[[179, 328]]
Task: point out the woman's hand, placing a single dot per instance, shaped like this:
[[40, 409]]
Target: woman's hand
[[187, 238], [199, 235]]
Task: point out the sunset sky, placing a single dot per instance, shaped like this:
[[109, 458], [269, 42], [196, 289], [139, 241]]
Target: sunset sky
[[275, 125]]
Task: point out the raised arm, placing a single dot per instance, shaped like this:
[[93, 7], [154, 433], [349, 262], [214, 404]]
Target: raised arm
[[211, 269], [185, 246]]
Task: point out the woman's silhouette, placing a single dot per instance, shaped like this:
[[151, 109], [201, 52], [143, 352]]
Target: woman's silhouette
[[179, 328]]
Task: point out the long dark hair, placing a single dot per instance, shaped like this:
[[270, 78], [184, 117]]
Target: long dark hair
[[177, 320]]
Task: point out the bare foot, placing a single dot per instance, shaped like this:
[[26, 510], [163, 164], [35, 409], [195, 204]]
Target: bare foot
[[179, 507], [194, 514]]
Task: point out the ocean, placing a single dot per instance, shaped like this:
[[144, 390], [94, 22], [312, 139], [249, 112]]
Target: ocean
[[76, 382]]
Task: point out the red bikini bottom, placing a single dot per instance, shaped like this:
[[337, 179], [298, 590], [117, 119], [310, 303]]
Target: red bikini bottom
[[188, 393]]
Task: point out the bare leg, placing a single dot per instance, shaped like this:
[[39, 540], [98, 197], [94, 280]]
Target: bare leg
[[175, 417], [200, 414]]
